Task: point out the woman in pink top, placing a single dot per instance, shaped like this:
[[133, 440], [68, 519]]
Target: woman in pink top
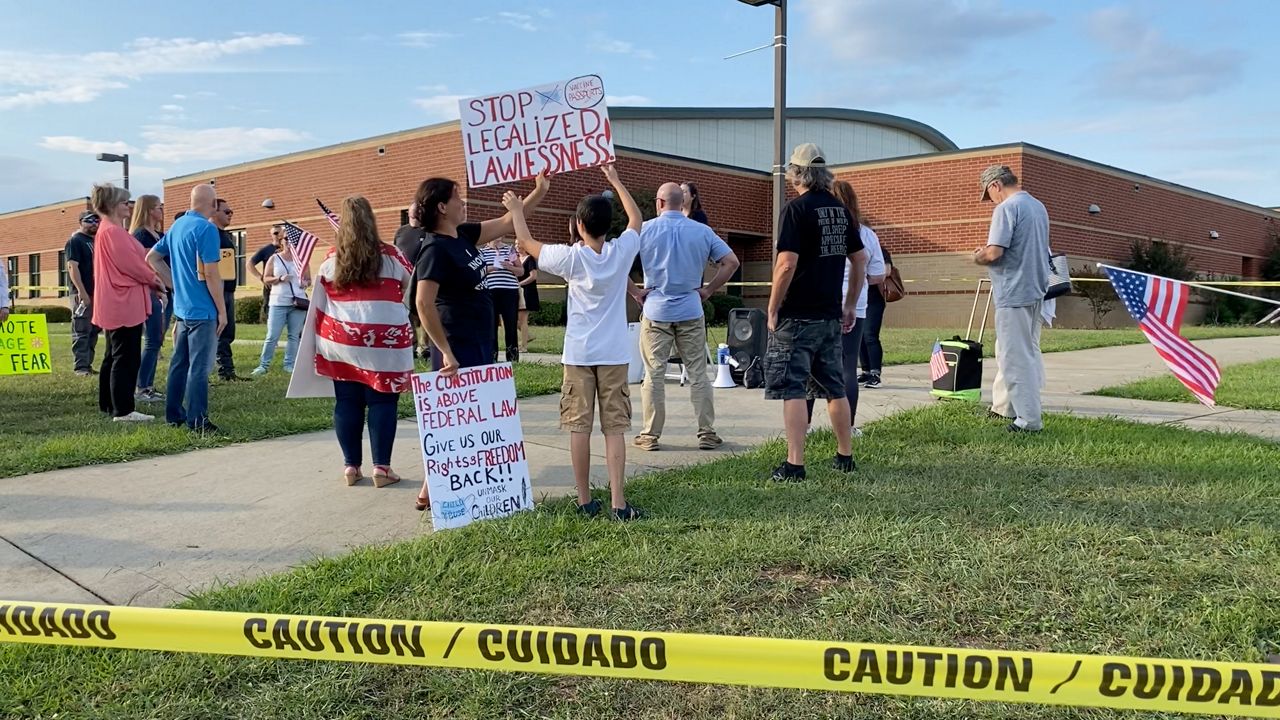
[[121, 302]]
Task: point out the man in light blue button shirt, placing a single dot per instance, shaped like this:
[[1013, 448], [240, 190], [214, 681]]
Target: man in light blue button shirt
[[674, 251]]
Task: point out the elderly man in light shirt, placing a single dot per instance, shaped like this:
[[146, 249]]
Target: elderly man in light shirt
[[674, 251]]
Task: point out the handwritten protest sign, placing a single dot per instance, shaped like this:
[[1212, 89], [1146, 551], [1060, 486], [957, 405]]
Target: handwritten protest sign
[[24, 345], [517, 135], [472, 445]]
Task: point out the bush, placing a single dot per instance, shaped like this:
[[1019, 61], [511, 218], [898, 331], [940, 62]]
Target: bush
[[248, 310], [551, 314], [1271, 266], [1228, 309], [51, 313], [1157, 258], [1101, 296], [723, 304]]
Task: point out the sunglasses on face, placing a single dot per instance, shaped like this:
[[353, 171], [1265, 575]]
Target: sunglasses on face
[[90, 221]]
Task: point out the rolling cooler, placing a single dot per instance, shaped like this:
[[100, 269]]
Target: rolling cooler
[[963, 380]]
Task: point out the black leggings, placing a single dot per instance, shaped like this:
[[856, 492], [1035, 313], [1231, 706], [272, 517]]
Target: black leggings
[[506, 307], [849, 343], [118, 375], [872, 352]]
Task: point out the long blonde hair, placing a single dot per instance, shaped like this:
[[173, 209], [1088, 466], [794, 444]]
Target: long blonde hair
[[142, 213], [358, 257]]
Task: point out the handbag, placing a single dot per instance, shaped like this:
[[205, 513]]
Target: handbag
[[299, 303], [1059, 277], [892, 288]]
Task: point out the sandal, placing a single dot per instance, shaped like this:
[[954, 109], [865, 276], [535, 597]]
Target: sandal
[[422, 503], [352, 475], [384, 476]]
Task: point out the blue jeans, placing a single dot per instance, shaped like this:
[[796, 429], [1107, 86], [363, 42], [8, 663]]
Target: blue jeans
[[277, 317], [153, 332], [350, 401], [194, 344]]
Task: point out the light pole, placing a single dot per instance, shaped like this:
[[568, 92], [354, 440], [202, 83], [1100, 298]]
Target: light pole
[[112, 157], [779, 110]]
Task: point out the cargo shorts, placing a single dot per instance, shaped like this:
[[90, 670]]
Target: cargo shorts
[[805, 359], [583, 386]]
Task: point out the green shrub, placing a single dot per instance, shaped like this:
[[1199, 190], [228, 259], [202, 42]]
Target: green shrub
[[248, 310], [723, 304], [552, 314], [51, 313], [1163, 259], [1228, 309]]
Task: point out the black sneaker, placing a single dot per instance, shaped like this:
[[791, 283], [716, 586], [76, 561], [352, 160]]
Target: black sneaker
[[207, 429], [627, 514], [786, 472], [844, 463], [863, 378], [1016, 428], [590, 509], [872, 382]]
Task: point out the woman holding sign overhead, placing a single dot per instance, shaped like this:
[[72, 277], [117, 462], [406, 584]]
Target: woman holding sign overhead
[[456, 312]]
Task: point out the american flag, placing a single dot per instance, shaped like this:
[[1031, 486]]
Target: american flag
[[1158, 305], [302, 243], [937, 363], [333, 219]]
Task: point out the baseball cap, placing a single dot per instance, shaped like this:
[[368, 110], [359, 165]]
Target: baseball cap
[[808, 155], [89, 215], [992, 174]]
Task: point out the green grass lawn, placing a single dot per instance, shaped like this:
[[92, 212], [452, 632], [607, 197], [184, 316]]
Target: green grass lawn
[[52, 421], [1096, 536], [913, 345], [1252, 386]]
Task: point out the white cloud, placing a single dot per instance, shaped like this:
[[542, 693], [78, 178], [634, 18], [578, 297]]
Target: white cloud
[[179, 96], [893, 32], [520, 21], [35, 79], [1144, 64], [442, 106], [422, 39], [616, 100], [175, 145], [171, 108], [621, 47], [75, 144]]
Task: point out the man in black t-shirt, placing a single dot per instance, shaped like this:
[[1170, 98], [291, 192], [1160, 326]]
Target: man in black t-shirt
[[79, 254], [409, 240], [258, 265], [226, 362], [817, 236]]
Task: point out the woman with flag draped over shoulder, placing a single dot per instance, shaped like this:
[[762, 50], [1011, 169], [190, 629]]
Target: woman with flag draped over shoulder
[[363, 341]]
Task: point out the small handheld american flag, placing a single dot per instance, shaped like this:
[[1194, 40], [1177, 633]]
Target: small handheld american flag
[[333, 219], [302, 243], [937, 363], [1158, 304]]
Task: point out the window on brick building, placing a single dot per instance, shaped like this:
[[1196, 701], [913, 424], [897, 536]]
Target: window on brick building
[[740, 243], [237, 236], [33, 275], [63, 280], [11, 268], [404, 217]]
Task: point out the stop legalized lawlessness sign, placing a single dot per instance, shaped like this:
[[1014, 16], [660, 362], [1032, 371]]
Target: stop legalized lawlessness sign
[[553, 128]]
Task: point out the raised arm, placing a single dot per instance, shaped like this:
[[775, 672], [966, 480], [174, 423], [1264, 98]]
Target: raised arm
[[496, 228], [635, 219], [524, 239]]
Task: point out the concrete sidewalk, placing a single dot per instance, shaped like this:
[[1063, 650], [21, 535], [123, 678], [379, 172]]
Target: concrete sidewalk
[[150, 532]]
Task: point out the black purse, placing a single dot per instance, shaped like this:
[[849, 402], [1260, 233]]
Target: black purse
[[299, 303]]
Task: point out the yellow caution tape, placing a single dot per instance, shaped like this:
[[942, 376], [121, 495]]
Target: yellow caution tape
[[964, 673]]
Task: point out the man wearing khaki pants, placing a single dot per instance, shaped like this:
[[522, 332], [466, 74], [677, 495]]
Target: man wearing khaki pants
[[674, 250]]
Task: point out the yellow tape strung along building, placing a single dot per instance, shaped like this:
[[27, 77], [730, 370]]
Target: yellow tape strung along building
[[1217, 688]]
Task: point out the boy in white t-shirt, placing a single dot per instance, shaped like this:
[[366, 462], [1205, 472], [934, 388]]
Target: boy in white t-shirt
[[596, 345]]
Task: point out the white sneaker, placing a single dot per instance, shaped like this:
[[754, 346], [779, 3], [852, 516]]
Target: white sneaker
[[134, 416], [857, 433], [259, 371]]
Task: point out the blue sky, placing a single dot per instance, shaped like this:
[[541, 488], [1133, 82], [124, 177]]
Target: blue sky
[[1185, 91]]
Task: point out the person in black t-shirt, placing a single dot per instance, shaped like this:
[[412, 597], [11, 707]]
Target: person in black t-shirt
[[258, 266], [226, 362], [456, 313], [693, 208], [79, 253], [806, 312], [409, 240]]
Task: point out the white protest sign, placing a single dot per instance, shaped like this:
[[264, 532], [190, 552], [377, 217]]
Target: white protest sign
[[555, 128], [472, 445]]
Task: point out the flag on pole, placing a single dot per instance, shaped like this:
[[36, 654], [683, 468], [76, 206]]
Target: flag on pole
[[333, 219], [301, 242], [937, 363], [1158, 305]]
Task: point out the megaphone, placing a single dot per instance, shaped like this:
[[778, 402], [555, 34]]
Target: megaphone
[[724, 377]]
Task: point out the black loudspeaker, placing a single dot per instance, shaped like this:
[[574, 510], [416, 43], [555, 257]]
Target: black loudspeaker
[[748, 339]]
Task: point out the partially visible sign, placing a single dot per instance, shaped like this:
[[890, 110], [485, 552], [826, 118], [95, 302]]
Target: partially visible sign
[[226, 265], [24, 345], [472, 445], [554, 128]]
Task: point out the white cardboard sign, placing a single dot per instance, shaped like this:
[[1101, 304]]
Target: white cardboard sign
[[555, 128], [472, 445]]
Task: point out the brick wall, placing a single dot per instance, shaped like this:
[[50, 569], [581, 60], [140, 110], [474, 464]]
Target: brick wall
[[42, 231]]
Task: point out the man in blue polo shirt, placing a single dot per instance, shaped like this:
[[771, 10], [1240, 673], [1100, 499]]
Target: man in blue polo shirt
[[191, 248], [674, 251]]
